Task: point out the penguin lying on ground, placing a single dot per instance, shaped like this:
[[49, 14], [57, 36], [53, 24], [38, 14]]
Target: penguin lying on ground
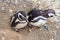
[[18, 20], [39, 17]]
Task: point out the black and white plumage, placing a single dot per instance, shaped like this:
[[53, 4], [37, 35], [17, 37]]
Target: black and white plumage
[[39, 17], [50, 13], [19, 20]]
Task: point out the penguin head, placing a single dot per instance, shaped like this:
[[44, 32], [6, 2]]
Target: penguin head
[[22, 16], [50, 13]]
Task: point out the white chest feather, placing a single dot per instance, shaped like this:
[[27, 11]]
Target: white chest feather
[[39, 23], [18, 26]]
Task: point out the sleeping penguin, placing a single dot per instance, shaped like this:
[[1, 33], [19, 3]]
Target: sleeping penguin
[[39, 17], [18, 20]]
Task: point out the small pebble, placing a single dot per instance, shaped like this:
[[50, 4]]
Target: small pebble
[[3, 35], [57, 27], [52, 39], [10, 10], [30, 30], [16, 1], [8, 1], [28, 1], [3, 8]]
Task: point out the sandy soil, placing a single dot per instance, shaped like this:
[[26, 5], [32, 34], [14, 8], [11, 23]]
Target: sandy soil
[[7, 33]]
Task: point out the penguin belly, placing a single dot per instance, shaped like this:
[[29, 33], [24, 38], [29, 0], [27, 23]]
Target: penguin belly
[[38, 23], [18, 26]]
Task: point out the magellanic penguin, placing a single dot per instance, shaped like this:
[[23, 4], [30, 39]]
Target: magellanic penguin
[[39, 17], [18, 20]]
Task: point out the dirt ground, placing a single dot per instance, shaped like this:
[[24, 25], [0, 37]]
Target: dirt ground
[[7, 9]]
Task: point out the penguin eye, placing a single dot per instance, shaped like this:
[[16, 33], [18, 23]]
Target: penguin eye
[[20, 17], [51, 15]]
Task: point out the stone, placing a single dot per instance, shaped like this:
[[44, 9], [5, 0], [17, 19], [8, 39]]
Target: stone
[[10, 10], [16, 1], [3, 8]]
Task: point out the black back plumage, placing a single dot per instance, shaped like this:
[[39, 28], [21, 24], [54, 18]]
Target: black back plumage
[[49, 11], [35, 13]]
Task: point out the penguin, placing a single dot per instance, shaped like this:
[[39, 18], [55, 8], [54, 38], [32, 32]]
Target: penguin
[[18, 20], [39, 17]]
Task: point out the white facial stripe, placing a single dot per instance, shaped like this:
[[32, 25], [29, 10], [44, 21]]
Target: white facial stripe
[[39, 17], [12, 19], [21, 15], [19, 20], [50, 14], [43, 17]]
